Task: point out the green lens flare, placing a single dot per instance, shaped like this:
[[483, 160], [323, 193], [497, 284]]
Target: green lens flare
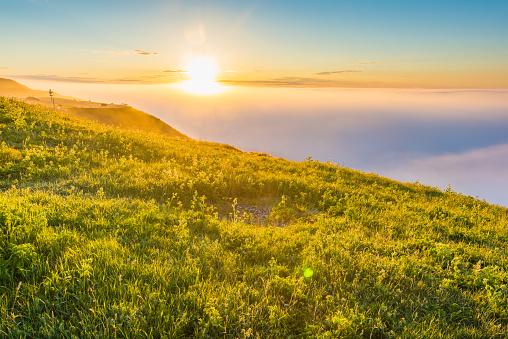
[[308, 273]]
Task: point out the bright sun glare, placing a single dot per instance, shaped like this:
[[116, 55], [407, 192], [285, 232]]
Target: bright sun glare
[[202, 72]]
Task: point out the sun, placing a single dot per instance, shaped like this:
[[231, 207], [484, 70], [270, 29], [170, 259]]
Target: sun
[[202, 69], [202, 72]]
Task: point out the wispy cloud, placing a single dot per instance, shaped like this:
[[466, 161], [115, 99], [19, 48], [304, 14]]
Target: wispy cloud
[[288, 81], [144, 79], [129, 52], [337, 72], [380, 62], [154, 76], [141, 52], [284, 81], [177, 71], [52, 77]]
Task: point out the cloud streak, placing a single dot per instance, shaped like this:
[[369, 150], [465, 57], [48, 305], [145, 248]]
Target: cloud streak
[[129, 52], [52, 77], [177, 71], [141, 52], [380, 62], [144, 79], [337, 72], [290, 82], [283, 81]]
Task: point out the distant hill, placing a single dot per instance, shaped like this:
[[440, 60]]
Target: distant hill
[[122, 116], [12, 88]]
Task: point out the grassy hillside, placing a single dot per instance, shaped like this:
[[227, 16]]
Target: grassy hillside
[[126, 118], [121, 234], [122, 116]]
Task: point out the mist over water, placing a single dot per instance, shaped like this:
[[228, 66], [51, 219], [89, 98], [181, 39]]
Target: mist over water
[[438, 137]]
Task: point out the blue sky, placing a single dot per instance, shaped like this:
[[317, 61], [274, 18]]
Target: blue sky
[[430, 44]]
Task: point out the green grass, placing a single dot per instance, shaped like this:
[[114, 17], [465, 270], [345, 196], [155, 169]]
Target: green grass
[[119, 234]]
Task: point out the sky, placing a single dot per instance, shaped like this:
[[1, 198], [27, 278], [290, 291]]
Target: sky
[[411, 90], [298, 43]]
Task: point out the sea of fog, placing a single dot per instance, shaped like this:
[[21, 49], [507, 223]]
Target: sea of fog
[[437, 137]]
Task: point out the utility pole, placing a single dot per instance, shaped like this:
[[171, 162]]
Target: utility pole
[[51, 96]]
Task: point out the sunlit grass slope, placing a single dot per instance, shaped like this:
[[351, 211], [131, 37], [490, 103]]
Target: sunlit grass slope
[[122, 116], [126, 118], [113, 233]]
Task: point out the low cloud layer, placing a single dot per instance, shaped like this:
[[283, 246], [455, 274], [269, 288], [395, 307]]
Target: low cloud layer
[[479, 172]]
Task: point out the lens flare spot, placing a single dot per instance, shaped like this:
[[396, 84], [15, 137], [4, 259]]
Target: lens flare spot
[[308, 273]]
